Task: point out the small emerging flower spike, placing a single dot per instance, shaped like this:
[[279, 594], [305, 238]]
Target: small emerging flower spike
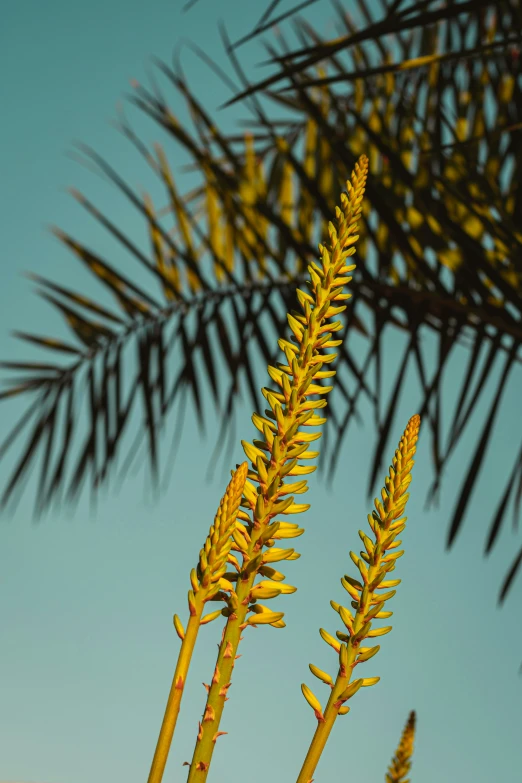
[[205, 582], [375, 562], [401, 762], [282, 449]]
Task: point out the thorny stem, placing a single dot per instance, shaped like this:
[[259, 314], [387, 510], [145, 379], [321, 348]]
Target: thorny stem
[[206, 581], [222, 678], [221, 681]]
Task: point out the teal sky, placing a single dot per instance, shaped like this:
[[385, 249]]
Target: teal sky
[[86, 599]]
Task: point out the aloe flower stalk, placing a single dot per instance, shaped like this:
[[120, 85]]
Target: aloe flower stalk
[[207, 581], [401, 762], [378, 559], [277, 456]]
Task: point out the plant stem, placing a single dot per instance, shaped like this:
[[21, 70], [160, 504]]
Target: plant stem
[[176, 692], [325, 725], [321, 735], [221, 681], [205, 583], [369, 603]]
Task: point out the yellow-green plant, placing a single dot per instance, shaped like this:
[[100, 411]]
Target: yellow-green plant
[[277, 456], [206, 581], [253, 531], [401, 762], [378, 559]]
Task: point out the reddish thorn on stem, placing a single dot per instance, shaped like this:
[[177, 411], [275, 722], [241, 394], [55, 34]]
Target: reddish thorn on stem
[[228, 651], [209, 713], [224, 689]]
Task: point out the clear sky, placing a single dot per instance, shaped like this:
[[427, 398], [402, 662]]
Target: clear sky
[[86, 600]]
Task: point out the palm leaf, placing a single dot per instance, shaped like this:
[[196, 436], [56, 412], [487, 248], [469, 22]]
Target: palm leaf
[[440, 235]]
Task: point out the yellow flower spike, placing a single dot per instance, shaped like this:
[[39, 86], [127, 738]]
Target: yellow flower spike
[[218, 544], [311, 337], [401, 762], [386, 523]]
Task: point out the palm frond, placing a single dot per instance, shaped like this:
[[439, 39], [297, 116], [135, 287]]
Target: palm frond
[[395, 22], [440, 233]]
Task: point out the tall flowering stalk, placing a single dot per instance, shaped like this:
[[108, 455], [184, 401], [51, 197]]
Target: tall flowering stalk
[[207, 581], [277, 456], [379, 558], [401, 762]]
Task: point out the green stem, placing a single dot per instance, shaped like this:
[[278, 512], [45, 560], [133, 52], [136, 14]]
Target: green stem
[[222, 678], [322, 732], [176, 692], [321, 735], [326, 722], [221, 681], [205, 585]]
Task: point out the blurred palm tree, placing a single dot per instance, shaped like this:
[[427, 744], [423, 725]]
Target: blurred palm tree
[[432, 91]]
